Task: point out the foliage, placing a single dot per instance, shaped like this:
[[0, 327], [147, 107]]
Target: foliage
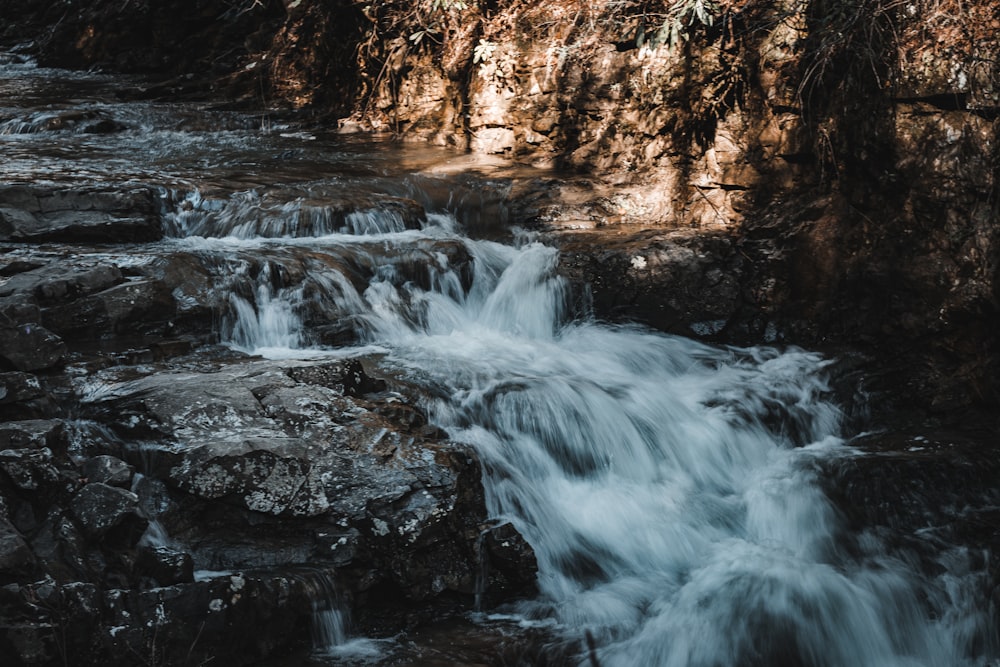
[[431, 20], [483, 51], [680, 17]]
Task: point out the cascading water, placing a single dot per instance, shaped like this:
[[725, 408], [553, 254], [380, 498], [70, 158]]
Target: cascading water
[[668, 488]]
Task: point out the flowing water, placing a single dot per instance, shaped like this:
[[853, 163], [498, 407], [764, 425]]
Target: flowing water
[[670, 489]]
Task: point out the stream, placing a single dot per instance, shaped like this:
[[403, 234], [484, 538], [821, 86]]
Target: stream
[[672, 491]]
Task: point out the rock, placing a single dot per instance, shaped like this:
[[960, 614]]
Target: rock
[[275, 464], [29, 469], [348, 377], [164, 566], [60, 281], [86, 227], [16, 387], [22, 397], [914, 482], [674, 281], [125, 308], [30, 347], [107, 470], [59, 546], [30, 643], [100, 508], [105, 126], [16, 266], [510, 562], [242, 616], [16, 557], [38, 214], [37, 433], [19, 309], [14, 222]]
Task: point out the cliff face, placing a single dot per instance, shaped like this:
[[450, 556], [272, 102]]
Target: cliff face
[[845, 154]]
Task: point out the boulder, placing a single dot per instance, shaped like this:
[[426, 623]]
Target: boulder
[[164, 566], [107, 470], [30, 347], [99, 508], [278, 464], [29, 469], [15, 554], [58, 281], [22, 397], [16, 387], [125, 308], [35, 433], [673, 280]]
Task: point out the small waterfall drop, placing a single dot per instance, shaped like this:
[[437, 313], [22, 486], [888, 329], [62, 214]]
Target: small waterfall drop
[[331, 623], [269, 320]]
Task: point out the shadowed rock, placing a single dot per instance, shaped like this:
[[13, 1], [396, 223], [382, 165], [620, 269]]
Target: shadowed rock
[[30, 347], [99, 508]]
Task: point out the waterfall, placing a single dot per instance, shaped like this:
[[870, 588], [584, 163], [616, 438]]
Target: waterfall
[[268, 320], [669, 488], [331, 622]]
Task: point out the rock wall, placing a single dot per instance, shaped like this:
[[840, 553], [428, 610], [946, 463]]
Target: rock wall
[[847, 151]]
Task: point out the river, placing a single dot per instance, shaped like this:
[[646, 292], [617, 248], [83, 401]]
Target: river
[[671, 490]]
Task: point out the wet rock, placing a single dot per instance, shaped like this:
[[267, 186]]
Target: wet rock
[[35, 433], [59, 544], [105, 126], [348, 377], [18, 309], [674, 281], [131, 306], [14, 222], [510, 562], [922, 490], [30, 347], [242, 616], [16, 387], [29, 469], [58, 281], [100, 507], [15, 554], [36, 215], [23, 397], [82, 226], [17, 265], [107, 470], [30, 643], [270, 464], [165, 566]]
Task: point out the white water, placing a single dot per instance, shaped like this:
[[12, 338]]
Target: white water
[[659, 481], [667, 487]]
